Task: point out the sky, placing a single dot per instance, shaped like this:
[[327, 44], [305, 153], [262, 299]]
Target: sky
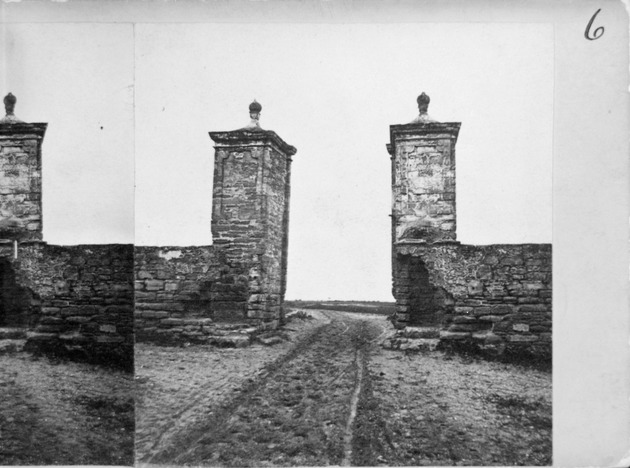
[[132, 105]]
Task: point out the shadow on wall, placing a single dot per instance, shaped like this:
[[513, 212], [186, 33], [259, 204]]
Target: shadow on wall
[[19, 306], [421, 302]]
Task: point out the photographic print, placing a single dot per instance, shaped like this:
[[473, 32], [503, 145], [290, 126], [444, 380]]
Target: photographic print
[[313, 233]]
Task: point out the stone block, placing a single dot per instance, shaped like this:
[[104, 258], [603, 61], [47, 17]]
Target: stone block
[[171, 322], [533, 299], [478, 311], [49, 328], [171, 285], [154, 285], [420, 332], [490, 260], [484, 272], [144, 296], [74, 337], [151, 314], [270, 341], [448, 335], [7, 333], [464, 319], [522, 338], [491, 318], [78, 319], [143, 274], [464, 327], [535, 308], [109, 339], [39, 336], [50, 320], [502, 310], [419, 344], [520, 327]]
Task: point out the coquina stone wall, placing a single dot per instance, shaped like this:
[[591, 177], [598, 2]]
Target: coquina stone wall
[[20, 176], [176, 289], [224, 293], [74, 298], [494, 297], [70, 298]]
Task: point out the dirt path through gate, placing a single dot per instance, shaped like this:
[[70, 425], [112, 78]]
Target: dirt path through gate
[[334, 397]]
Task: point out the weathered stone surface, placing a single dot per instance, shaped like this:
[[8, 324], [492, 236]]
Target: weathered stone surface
[[20, 180], [8, 346], [270, 340], [7, 333], [95, 299], [464, 319], [500, 289], [423, 163], [420, 332], [241, 278], [448, 335], [521, 327], [520, 338]]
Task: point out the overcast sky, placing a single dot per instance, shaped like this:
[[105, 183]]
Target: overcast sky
[[330, 90]]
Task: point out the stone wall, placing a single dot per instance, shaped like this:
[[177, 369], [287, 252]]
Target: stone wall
[[238, 229], [81, 297], [250, 217], [176, 292], [423, 181], [226, 292], [20, 176], [274, 260], [496, 296]]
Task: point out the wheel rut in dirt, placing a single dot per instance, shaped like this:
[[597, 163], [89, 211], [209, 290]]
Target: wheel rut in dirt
[[299, 411]]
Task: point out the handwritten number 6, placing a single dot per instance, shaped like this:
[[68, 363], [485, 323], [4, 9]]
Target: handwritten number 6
[[597, 33]]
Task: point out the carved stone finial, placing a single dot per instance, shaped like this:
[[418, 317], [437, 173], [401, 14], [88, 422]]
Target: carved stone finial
[[423, 106], [254, 114], [423, 103], [255, 107], [9, 103], [9, 106]]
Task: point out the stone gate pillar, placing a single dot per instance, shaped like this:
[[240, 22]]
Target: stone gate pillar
[[423, 206], [250, 221], [20, 176]]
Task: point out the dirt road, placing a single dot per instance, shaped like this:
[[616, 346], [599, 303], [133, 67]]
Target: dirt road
[[336, 398], [64, 413]]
